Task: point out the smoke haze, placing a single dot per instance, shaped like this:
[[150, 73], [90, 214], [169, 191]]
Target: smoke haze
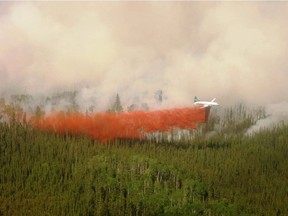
[[276, 113], [234, 51]]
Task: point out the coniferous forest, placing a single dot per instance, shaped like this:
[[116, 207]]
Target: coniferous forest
[[143, 108], [222, 173]]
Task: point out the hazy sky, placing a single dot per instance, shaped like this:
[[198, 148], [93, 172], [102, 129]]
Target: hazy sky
[[234, 51]]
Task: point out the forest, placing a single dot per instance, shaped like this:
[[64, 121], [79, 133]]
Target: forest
[[216, 169]]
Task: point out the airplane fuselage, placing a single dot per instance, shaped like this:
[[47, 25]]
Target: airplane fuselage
[[206, 103]]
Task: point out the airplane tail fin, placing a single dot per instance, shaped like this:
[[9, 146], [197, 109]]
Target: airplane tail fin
[[213, 99], [196, 99]]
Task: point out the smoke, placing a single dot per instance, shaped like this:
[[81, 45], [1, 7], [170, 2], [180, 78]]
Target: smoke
[[275, 114], [104, 126], [234, 51]]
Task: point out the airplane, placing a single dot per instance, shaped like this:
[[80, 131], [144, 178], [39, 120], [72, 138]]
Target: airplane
[[205, 103]]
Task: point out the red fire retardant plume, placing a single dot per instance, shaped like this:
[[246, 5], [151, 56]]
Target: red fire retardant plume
[[104, 126]]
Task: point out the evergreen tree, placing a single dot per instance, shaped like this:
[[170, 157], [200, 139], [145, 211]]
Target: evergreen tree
[[117, 107], [159, 96]]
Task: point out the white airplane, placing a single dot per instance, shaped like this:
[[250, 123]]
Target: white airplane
[[205, 103]]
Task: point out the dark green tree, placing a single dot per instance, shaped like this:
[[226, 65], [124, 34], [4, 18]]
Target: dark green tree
[[117, 106]]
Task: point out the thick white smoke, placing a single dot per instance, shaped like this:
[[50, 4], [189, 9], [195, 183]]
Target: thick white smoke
[[276, 113], [234, 51]]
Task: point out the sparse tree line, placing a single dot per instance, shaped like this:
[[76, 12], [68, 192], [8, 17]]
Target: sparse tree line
[[231, 120], [217, 172], [65, 102]]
